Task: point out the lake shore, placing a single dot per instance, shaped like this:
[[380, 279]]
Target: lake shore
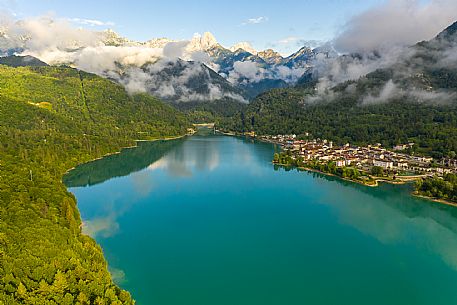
[[377, 182], [130, 147], [437, 200]]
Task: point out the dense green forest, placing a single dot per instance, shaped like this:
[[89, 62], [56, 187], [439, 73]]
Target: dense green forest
[[432, 127], [210, 112], [439, 188], [51, 119]]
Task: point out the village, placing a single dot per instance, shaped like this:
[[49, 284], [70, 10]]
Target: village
[[393, 160]]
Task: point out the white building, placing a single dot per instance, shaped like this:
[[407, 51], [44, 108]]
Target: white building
[[386, 164]]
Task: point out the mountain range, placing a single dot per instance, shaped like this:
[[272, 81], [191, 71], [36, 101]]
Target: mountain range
[[247, 72], [412, 97], [166, 64]]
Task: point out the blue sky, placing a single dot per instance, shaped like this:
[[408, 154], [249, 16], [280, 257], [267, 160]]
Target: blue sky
[[281, 24]]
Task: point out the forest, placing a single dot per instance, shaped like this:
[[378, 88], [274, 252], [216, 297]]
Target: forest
[[423, 109], [439, 188], [432, 127], [52, 119]]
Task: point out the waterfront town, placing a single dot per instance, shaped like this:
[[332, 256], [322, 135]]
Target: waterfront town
[[394, 160]]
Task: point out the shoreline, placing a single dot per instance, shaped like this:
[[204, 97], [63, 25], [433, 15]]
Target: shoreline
[[83, 224], [433, 199], [377, 181], [126, 147]]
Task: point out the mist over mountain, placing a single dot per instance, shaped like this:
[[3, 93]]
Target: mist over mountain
[[401, 95], [164, 67]]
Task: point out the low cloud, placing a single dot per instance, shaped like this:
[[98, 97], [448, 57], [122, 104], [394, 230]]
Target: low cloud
[[246, 69], [252, 72], [381, 37], [180, 86], [175, 50], [135, 65], [388, 91]]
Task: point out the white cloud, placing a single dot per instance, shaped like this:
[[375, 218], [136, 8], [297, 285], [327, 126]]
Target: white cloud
[[246, 69], [135, 65], [256, 20], [251, 72], [396, 23], [91, 22], [388, 91]]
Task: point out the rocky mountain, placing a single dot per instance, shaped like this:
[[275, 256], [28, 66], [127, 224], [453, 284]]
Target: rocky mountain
[[271, 57], [249, 71], [202, 43], [243, 46], [185, 81], [300, 59], [111, 38]]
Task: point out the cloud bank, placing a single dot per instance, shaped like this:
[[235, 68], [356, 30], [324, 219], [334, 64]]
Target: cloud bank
[[382, 37], [396, 23], [138, 66]]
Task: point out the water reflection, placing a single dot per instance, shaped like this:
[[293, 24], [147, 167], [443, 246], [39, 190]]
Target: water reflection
[[392, 216], [118, 165], [177, 158], [388, 214], [202, 155]]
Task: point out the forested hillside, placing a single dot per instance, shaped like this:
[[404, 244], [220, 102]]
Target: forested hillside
[[432, 127], [209, 112], [52, 119], [414, 100]]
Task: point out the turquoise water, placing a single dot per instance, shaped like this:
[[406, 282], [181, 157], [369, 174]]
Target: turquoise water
[[209, 221]]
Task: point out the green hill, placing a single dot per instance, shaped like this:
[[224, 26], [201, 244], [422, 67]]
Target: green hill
[[52, 119], [22, 61]]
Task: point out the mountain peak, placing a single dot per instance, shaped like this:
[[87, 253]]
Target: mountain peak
[[158, 42], [304, 52], [271, 56], [269, 53], [111, 38], [449, 32], [245, 46], [203, 42]]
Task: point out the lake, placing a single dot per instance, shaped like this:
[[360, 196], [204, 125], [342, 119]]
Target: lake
[[208, 220]]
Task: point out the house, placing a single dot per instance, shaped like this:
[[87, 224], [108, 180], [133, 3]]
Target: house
[[400, 164], [386, 164], [400, 147], [340, 163]]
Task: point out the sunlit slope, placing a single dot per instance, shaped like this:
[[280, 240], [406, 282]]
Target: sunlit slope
[[51, 119]]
